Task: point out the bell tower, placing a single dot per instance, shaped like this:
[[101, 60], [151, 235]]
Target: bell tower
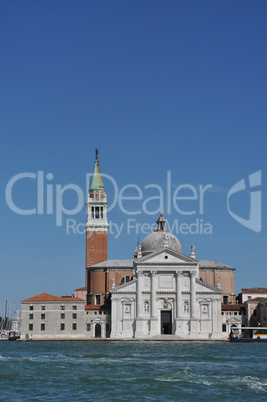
[[97, 225]]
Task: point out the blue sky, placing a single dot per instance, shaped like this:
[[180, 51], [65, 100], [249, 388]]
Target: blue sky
[[157, 86]]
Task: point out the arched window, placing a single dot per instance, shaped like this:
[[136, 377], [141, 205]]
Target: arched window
[[125, 279], [98, 331]]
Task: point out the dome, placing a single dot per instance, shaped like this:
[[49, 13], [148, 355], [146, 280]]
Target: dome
[[160, 239], [157, 240]]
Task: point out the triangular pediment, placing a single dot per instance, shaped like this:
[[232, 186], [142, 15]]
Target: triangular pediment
[[203, 286], [126, 287], [166, 256], [233, 320]]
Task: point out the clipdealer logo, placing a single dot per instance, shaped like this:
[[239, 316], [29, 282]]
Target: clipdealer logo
[[254, 220], [185, 199]]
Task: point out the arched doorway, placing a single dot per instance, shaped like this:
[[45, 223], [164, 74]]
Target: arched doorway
[[98, 331]]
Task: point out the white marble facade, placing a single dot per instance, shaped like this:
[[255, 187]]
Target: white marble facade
[[166, 297]]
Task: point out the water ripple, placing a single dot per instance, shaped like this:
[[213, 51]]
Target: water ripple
[[129, 371]]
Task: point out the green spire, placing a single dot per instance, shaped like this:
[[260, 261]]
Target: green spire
[[96, 181]]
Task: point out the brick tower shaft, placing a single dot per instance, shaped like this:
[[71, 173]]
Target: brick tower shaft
[[96, 229]]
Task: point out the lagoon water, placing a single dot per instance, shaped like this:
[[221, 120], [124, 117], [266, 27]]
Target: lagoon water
[[129, 371]]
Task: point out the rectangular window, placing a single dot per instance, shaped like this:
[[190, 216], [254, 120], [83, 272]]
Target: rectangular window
[[88, 327], [222, 313], [30, 316], [62, 307], [62, 326], [31, 308], [255, 313], [42, 327], [74, 326], [62, 316], [224, 328], [74, 316], [97, 299], [42, 316], [225, 299], [30, 327], [74, 307], [43, 307]]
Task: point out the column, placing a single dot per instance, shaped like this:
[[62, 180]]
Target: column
[[216, 318], [154, 327], [193, 295], [139, 333], [179, 320], [194, 331], [114, 317], [178, 295], [139, 296], [153, 300]]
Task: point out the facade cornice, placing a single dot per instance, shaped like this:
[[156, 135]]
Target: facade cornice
[[166, 292], [118, 288], [208, 293], [168, 251], [131, 292], [169, 264], [216, 268], [206, 285]]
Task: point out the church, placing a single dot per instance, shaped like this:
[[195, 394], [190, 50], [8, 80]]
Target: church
[[166, 295], [161, 293]]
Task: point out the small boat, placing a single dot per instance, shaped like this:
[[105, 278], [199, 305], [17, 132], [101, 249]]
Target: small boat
[[13, 336]]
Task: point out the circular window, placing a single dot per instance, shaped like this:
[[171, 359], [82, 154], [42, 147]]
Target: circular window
[[166, 257]]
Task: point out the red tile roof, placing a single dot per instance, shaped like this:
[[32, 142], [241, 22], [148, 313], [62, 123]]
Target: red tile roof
[[255, 290], [256, 299], [92, 307], [232, 307], [45, 297]]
